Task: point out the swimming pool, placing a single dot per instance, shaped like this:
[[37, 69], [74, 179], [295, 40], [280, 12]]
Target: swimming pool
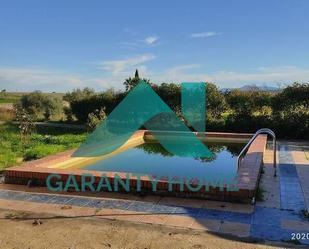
[[141, 155], [151, 158]]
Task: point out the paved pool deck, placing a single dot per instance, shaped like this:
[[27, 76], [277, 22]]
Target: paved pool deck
[[274, 218]]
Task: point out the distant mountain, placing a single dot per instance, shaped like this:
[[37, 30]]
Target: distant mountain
[[246, 88], [258, 88]]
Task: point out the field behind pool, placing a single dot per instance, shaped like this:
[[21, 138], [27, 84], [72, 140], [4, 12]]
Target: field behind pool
[[13, 97], [10, 97]]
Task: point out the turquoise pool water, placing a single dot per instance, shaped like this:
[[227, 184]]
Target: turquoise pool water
[[152, 159]]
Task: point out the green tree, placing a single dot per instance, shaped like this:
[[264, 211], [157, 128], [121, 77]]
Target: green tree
[[129, 83], [215, 101], [292, 96], [51, 106], [170, 93], [38, 104], [81, 102], [246, 103], [79, 94], [291, 111]]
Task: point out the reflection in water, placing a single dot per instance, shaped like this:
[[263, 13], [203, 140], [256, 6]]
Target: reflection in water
[[215, 147], [153, 160]]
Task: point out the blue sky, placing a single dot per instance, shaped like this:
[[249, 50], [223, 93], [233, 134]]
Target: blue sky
[[60, 45]]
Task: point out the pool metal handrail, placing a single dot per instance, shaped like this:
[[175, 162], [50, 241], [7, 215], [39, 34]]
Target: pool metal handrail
[[260, 131]]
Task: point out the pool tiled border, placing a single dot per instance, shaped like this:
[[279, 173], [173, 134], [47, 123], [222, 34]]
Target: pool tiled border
[[247, 176]]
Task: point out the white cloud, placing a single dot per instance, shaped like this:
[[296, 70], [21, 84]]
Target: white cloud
[[138, 41], [260, 76], [150, 40], [205, 34], [119, 66], [282, 74], [30, 79]]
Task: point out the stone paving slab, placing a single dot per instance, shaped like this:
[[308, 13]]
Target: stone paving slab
[[234, 228], [301, 160], [295, 225], [268, 183], [207, 224], [300, 157], [291, 194], [266, 223]]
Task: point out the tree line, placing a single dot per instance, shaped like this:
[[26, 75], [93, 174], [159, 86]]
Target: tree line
[[285, 111]]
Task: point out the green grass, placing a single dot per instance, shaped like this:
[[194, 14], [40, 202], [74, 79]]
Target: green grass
[[7, 100], [8, 97], [45, 141]]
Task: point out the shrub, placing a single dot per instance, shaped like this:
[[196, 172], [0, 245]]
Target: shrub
[[170, 94], [236, 111], [294, 95], [26, 124], [245, 103], [79, 94], [68, 113], [40, 105], [81, 108], [83, 102], [292, 123], [95, 118], [215, 101]]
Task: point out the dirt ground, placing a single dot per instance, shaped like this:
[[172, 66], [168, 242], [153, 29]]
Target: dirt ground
[[19, 230]]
